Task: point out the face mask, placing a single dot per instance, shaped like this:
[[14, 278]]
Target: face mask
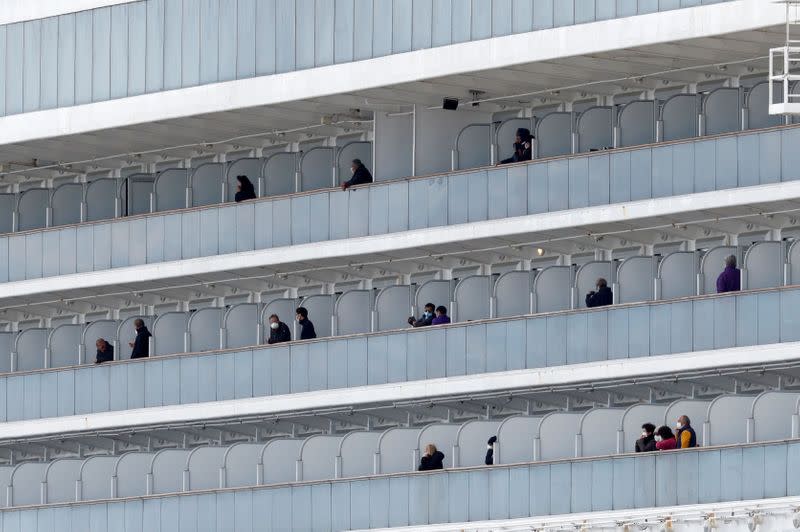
[[679, 425], [427, 314], [658, 438], [644, 434], [274, 325]]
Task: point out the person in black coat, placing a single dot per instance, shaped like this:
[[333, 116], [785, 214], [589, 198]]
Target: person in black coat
[[489, 460], [426, 318], [141, 345], [432, 459], [647, 442], [361, 175], [105, 351], [244, 189], [523, 147], [601, 297], [307, 331], [278, 331]]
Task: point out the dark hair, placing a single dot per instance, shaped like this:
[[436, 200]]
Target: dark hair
[[649, 428], [247, 185], [302, 311], [524, 134], [665, 432], [441, 309], [358, 162], [274, 316], [602, 283], [430, 305]]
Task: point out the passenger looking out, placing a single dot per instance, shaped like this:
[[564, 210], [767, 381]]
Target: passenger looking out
[[489, 459], [361, 175], [426, 318], [600, 297], [432, 459], [441, 316], [307, 331], [647, 442], [523, 147], [665, 439], [105, 351], [685, 434], [141, 344], [278, 331], [244, 189], [731, 277]]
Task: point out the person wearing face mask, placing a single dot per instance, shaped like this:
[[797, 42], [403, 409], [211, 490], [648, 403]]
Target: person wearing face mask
[[600, 297], [665, 439], [307, 331], [686, 435], [361, 175], [278, 331], [426, 318], [647, 442]]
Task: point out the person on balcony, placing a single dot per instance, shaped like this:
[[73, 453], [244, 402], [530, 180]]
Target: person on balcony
[[600, 297], [523, 147], [278, 331], [647, 442], [489, 458], [244, 189], [432, 459], [686, 436], [105, 351], [441, 317], [141, 344], [665, 439], [307, 331], [426, 319], [730, 278], [361, 175]]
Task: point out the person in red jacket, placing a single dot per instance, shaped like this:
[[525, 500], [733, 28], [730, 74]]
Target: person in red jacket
[[665, 439]]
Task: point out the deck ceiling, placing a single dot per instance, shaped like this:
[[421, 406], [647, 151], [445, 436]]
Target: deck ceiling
[[543, 83]]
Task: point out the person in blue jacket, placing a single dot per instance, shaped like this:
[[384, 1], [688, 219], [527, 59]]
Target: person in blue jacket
[[600, 297], [361, 175], [141, 345], [307, 331]]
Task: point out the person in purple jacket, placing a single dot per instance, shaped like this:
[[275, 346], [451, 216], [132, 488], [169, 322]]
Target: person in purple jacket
[[730, 278], [441, 316]]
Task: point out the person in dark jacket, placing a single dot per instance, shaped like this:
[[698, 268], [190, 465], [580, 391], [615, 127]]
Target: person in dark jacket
[[731, 277], [601, 297], [141, 345], [647, 442], [426, 318], [489, 460], [685, 434], [441, 316], [523, 147], [278, 331], [105, 351], [307, 331], [432, 459], [361, 175], [244, 189]]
